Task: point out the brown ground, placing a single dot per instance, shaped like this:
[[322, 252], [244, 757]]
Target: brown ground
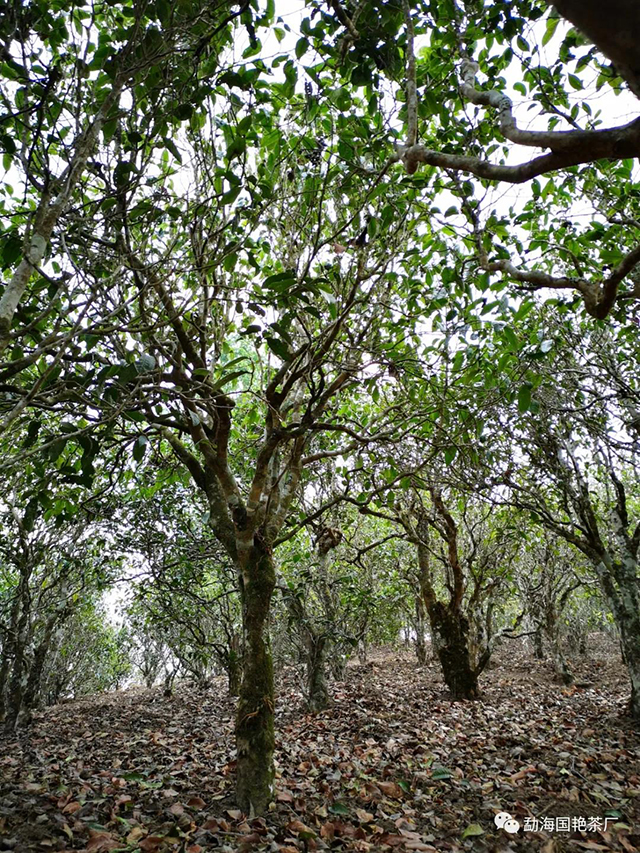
[[393, 765]]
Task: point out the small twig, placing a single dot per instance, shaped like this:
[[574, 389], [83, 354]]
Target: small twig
[[412, 88], [344, 19]]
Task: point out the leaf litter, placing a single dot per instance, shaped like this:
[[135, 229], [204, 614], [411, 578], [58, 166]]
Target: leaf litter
[[393, 765]]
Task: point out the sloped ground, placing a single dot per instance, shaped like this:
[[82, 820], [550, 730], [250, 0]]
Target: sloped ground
[[393, 766]]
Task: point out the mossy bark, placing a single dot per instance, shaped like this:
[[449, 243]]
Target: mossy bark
[[551, 630], [255, 717], [538, 647], [630, 642], [450, 632], [317, 691], [234, 668], [32, 691], [619, 583], [338, 665]]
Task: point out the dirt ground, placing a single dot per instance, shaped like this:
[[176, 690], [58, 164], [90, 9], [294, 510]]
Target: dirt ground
[[393, 765]]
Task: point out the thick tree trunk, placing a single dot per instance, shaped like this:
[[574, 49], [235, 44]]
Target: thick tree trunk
[[560, 665], [234, 667], [477, 638], [450, 632], [18, 680], [630, 642], [577, 637], [338, 665], [17, 685], [8, 647], [363, 651], [552, 634], [619, 583], [538, 648], [317, 691], [613, 28], [254, 722], [32, 691]]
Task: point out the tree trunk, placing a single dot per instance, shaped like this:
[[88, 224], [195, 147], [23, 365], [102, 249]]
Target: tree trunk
[[255, 718], [362, 651], [538, 648], [234, 667], [419, 627], [560, 665], [450, 631], [477, 638], [317, 692], [552, 634], [8, 647], [32, 690], [630, 642], [338, 665], [602, 23], [18, 681], [619, 583], [17, 685]]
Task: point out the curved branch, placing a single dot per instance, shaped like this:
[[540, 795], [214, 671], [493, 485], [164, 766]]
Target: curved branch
[[567, 147], [412, 90], [599, 298]]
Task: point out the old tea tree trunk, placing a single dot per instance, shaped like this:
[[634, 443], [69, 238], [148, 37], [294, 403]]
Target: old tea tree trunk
[[247, 528], [314, 630], [448, 623], [255, 717], [245, 531], [450, 630], [609, 536]]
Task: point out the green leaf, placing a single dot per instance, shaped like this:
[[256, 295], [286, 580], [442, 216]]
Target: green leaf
[[139, 447], [32, 433], [279, 348], [302, 46], [339, 808], [230, 196], [280, 281], [575, 82], [183, 112], [171, 146], [54, 451], [236, 147], [441, 773], [228, 377], [552, 25], [611, 256], [473, 829], [11, 250], [512, 338], [524, 398]]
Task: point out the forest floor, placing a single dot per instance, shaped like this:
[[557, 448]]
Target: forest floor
[[392, 766]]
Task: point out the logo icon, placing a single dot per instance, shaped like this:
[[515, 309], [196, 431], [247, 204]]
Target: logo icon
[[503, 820]]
